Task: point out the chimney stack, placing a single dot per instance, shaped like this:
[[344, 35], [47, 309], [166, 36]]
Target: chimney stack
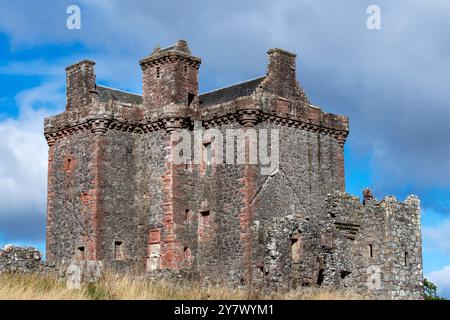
[[281, 75], [80, 82]]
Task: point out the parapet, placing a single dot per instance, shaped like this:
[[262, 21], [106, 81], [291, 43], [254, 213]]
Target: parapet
[[341, 205]]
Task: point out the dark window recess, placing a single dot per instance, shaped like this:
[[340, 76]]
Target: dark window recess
[[208, 157], [69, 165], [80, 252], [187, 253], [371, 250], [295, 250], [205, 213], [158, 72], [188, 215], [118, 250], [320, 277], [261, 271], [406, 259], [191, 98], [185, 69]]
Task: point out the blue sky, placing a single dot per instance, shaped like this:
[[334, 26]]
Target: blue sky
[[392, 83]]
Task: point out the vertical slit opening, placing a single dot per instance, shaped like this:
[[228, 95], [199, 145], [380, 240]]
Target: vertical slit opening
[[118, 250], [80, 253], [191, 98]]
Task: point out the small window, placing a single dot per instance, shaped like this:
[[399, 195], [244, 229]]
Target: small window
[[208, 157], [155, 236], [154, 250], [158, 70], [370, 250], [187, 253], [80, 253], [191, 98], [188, 215], [295, 250], [69, 164], [406, 259], [320, 277], [204, 225], [261, 271], [205, 213], [118, 250], [185, 69]]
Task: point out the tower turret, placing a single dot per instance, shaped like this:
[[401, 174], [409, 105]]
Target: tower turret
[[170, 75]]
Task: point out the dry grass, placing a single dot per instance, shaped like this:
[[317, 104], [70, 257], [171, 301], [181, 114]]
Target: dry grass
[[41, 287]]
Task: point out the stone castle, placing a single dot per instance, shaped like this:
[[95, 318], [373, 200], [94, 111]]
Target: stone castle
[[115, 194]]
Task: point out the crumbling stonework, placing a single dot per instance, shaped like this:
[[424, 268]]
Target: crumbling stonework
[[116, 195], [18, 259]]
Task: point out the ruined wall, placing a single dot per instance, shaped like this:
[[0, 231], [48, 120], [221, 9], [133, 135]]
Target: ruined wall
[[307, 173], [19, 259], [377, 246]]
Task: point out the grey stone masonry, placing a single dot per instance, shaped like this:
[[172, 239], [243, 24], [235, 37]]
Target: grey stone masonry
[[116, 195], [19, 259]]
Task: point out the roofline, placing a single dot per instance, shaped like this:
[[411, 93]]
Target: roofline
[[232, 85], [135, 94]]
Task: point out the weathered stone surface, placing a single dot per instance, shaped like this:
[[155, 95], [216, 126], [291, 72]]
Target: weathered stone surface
[[73, 277], [82, 271], [115, 195], [18, 259]]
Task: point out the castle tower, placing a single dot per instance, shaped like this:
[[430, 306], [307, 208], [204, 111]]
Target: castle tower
[[170, 76], [118, 194]]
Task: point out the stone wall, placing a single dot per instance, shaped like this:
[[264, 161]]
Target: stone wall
[[19, 259], [72, 214], [377, 244]]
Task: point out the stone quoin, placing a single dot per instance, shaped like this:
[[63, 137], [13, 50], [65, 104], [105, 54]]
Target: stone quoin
[[115, 194]]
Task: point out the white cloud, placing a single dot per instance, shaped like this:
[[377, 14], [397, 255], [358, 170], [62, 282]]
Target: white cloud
[[437, 237], [441, 279], [23, 164], [39, 67]]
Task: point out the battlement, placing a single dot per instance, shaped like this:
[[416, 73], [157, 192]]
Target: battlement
[[344, 205]]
